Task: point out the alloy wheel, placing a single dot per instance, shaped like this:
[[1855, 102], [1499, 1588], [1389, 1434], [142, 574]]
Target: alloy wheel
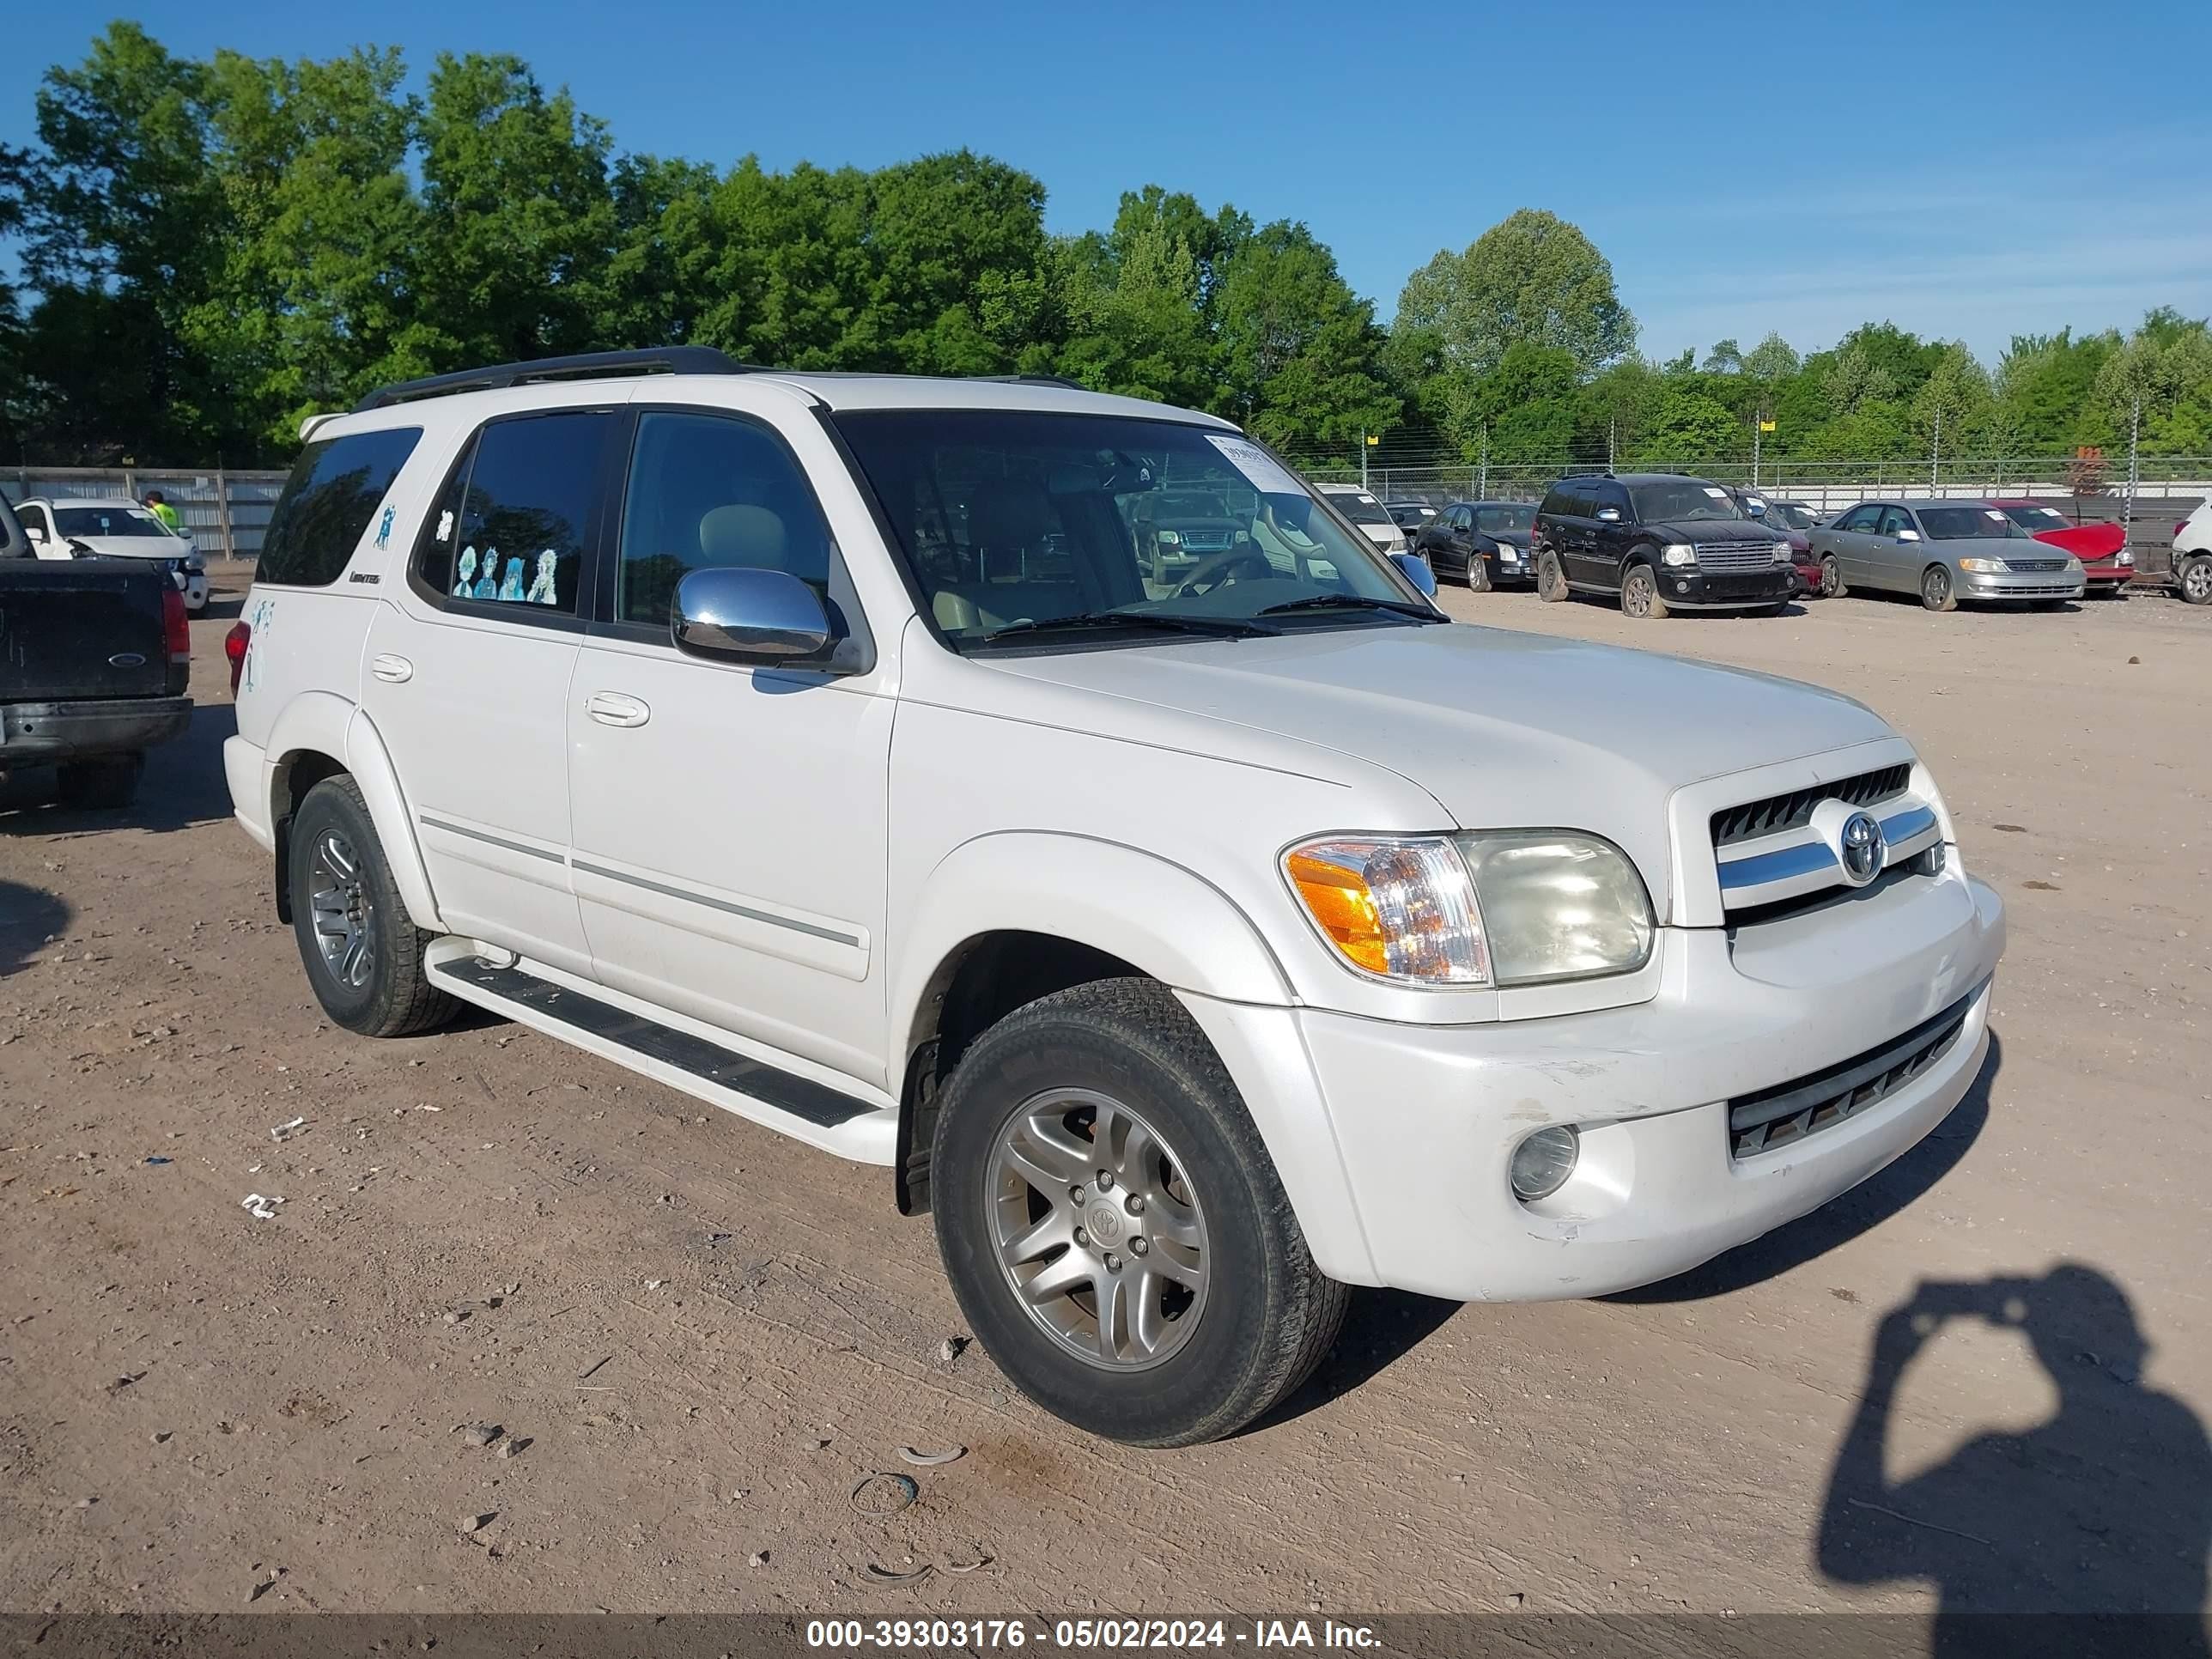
[[1097, 1228], [2196, 582], [1635, 597], [339, 901]]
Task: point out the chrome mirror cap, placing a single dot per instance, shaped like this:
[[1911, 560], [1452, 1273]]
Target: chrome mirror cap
[[750, 615]]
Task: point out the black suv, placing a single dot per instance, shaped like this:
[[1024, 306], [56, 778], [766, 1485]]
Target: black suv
[[1662, 541]]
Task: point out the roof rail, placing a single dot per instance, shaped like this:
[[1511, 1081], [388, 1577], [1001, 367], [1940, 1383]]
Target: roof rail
[[583, 366], [1060, 381]]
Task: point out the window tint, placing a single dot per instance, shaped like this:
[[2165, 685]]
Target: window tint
[[1860, 520], [1612, 496], [512, 526], [1893, 518], [335, 490], [707, 490]]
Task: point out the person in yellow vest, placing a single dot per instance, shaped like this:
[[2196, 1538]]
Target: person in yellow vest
[[162, 510]]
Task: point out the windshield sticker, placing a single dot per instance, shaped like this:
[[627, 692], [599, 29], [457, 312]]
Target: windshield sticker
[[1260, 469], [466, 584], [541, 590], [1718, 494], [1991, 511]]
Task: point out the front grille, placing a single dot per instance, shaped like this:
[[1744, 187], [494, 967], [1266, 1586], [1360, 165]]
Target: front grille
[[1735, 556], [1776, 1117], [1205, 541], [1794, 810], [2037, 564]]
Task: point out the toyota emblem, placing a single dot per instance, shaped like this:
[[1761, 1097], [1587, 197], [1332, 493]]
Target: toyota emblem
[[1860, 845]]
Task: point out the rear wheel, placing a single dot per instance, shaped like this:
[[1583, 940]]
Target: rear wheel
[[103, 785], [1831, 578], [2196, 578], [1551, 581], [363, 951], [1936, 592], [1639, 594], [1112, 1224]]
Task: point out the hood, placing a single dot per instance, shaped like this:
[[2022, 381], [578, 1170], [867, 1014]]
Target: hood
[[2087, 541], [1992, 547], [1714, 530], [1500, 728], [134, 547]]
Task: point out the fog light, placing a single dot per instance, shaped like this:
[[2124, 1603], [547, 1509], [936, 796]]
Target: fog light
[[1681, 587], [1542, 1163]]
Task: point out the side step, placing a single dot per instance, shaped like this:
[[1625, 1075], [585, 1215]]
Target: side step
[[753, 1088]]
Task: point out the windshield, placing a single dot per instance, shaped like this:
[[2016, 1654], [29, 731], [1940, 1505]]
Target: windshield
[[1505, 520], [1791, 515], [107, 521], [1959, 523], [2035, 518], [1359, 506], [1681, 501], [1012, 516]]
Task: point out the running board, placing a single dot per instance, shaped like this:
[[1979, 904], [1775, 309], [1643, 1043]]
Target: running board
[[753, 1088]]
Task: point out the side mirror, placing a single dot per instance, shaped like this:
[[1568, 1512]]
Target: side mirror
[[765, 618], [1608, 515], [1908, 535], [1415, 569]]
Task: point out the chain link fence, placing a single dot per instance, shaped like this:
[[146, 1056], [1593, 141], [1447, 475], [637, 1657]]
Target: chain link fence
[[224, 512]]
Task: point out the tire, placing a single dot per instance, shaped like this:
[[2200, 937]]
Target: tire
[[1478, 574], [2194, 576], [371, 980], [1551, 581], [1639, 594], [1261, 1313], [1935, 591], [1831, 578], [105, 785]]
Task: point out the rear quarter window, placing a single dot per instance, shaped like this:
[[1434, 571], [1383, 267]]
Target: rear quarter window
[[336, 487]]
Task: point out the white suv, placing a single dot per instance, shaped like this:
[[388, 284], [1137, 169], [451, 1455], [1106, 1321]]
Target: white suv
[[2192, 555], [1191, 945]]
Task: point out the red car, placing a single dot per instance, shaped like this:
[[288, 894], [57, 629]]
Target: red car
[[1790, 520], [2102, 547]]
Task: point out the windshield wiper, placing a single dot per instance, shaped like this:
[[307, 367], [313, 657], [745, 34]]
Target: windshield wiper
[[1220, 628], [1353, 602]]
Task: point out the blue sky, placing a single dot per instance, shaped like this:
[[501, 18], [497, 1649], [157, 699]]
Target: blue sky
[[1967, 171]]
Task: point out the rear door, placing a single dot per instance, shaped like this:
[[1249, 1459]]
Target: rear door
[[469, 669]]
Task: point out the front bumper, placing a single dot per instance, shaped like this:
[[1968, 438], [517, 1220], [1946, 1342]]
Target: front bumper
[[42, 733], [1686, 588], [2019, 585], [1512, 564], [1425, 1118]]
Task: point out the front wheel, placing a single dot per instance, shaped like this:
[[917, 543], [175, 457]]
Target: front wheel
[[1639, 594], [2195, 578], [362, 950], [1478, 574], [1936, 592], [1831, 578], [1551, 581], [1112, 1224]]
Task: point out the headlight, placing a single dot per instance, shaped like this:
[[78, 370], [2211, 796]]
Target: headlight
[[1782, 552], [1984, 567], [1679, 553], [196, 566], [2124, 558], [1168, 537], [1396, 543], [1488, 906]]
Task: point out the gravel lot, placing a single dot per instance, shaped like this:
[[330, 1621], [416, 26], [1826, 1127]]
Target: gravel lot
[[697, 1336]]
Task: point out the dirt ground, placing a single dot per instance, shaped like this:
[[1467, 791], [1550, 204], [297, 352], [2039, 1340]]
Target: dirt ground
[[696, 1336]]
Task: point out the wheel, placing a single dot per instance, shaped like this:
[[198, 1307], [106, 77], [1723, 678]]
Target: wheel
[[1639, 594], [1831, 578], [2196, 578], [363, 951], [1551, 581], [1478, 574], [1112, 1224], [1936, 592], [102, 785]]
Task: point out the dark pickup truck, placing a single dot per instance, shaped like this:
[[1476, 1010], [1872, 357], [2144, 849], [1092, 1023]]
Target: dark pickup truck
[[95, 658]]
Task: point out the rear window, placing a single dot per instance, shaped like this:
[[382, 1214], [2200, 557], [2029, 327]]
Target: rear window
[[335, 488]]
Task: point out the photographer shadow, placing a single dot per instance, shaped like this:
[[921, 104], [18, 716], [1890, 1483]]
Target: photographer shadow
[[2103, 1510]]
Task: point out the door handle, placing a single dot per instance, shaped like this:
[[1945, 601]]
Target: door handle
[[613, 708], [391, 668]]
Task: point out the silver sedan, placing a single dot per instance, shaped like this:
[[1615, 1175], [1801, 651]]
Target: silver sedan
[[1944, 551]]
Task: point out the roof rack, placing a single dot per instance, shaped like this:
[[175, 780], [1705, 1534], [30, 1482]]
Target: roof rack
[[1060, 381], [583, 366]]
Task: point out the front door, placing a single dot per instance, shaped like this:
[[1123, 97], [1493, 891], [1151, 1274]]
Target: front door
[[469, 669], [730, 821], [1894, 563]]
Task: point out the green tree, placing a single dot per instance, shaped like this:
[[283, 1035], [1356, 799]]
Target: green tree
[[1296, 348], [1951, 411], [1532, 277]]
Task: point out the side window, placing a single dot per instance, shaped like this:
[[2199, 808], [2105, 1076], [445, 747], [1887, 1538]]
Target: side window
[[708, 490], [1616, 497], [335, 490], [1462, 518], [512, 525], [1893, 518]]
